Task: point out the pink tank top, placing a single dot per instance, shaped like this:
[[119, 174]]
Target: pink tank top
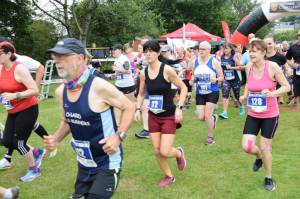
[[256, 86]]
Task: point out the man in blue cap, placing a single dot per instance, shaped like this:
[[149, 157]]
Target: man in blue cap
[[87, 104]]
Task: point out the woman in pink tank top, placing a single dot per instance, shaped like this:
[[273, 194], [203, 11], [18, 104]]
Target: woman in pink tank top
[[263, 111]]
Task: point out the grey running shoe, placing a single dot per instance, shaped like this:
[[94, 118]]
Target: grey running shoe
[[270, 184], [142, 134], [257, 165]]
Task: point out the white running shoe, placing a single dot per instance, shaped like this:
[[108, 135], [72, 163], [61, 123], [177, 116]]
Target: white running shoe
[[4, 164]]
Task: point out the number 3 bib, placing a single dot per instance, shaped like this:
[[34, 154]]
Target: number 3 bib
[[257, 102], [84, 154]]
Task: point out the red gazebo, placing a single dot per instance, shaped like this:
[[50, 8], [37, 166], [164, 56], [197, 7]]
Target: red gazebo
[[192, 32]]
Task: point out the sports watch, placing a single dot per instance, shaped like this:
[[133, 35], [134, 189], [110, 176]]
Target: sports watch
[[122, 135]]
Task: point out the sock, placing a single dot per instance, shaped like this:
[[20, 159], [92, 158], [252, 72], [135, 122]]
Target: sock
[[8, 158], [35, 168], [7, 194], [211, 135], [40, 130], [269, 177]]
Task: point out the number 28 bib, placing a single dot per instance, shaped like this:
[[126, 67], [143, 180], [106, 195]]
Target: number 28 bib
[[257, 102]]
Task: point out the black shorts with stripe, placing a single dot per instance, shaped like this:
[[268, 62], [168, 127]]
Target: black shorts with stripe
[[267, 126], [100, 185]]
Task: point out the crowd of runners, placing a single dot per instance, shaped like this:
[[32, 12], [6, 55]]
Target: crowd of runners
[[155, 85]]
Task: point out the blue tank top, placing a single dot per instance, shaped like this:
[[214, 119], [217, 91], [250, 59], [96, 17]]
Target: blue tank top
[[209, 64], [229, 75], [88, 128]]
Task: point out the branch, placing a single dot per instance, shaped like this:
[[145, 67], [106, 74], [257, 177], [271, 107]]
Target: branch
[[75, 17], [45, 12], [60, 3]]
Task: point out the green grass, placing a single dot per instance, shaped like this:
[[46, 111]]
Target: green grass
[[213, 172]]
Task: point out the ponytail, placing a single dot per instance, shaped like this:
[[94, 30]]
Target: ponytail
[[171, 62]]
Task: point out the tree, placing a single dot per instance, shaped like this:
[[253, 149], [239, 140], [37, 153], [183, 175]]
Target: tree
[[14, 18], [43, 36], [64, 14], [121, 21]]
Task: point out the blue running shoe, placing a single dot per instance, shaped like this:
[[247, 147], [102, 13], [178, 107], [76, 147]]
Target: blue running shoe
[[223, 115], [31, 174], [242, 110], [38, 155]]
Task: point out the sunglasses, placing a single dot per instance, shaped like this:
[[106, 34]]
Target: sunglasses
[[298, 35]]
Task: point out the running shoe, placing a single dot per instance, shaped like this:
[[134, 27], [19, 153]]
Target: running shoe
[[181, 162], [210, 141], [242, 110], [257, 164], [215, 116], [5, 164], [38, 155], [167, 181], [223, 115], [270, 184], [15, 192], [31, 174], [143, 134]]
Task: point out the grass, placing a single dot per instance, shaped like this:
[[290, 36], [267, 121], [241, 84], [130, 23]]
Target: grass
[[220, 171]]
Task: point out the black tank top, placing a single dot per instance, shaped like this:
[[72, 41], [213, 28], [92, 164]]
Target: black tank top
[[160, 94]]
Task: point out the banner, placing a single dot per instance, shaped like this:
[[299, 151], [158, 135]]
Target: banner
[[226, 31], [285, 6]]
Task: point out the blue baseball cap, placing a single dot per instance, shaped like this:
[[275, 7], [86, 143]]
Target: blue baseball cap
[[67, 46]]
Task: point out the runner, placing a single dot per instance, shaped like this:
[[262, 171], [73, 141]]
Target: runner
[[231, 81], [207, 73], [11, 193], [163, 115], [273, 55], [144, 133], [293, 56], [18, 92], [124, 78], [87, 112], [263, 112]]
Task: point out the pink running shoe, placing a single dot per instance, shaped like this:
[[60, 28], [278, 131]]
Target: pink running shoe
[[167, 181], [181, 162]]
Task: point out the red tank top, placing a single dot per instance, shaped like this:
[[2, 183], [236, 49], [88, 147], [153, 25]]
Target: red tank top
[[9, 84]]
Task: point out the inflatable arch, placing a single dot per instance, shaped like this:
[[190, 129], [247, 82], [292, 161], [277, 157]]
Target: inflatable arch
[[268, 11]]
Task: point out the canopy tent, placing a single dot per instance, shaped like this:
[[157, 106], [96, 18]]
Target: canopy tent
[[192, 32]]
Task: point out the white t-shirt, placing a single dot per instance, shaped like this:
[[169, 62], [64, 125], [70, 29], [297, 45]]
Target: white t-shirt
[[123, 80], [28, 62]]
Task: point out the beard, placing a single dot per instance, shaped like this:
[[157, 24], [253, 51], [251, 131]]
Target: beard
[[68, 74]]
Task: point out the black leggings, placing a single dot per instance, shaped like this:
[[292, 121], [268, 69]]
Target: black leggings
[[18, 129]]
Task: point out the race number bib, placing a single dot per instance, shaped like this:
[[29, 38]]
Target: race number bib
[[203, 77], [7, 105], [257, 102], [156, 103], [298, 70], [83, 151], [229, 74], [119, 76], [203, 88]]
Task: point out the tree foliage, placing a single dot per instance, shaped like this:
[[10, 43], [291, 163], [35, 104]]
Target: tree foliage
[[122, 20], [43, 36], [14, 18]]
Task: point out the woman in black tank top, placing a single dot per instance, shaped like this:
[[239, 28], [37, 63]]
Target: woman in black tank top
[[163, 115]]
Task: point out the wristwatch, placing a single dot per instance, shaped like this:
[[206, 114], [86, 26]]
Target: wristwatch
[[122, 135]]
